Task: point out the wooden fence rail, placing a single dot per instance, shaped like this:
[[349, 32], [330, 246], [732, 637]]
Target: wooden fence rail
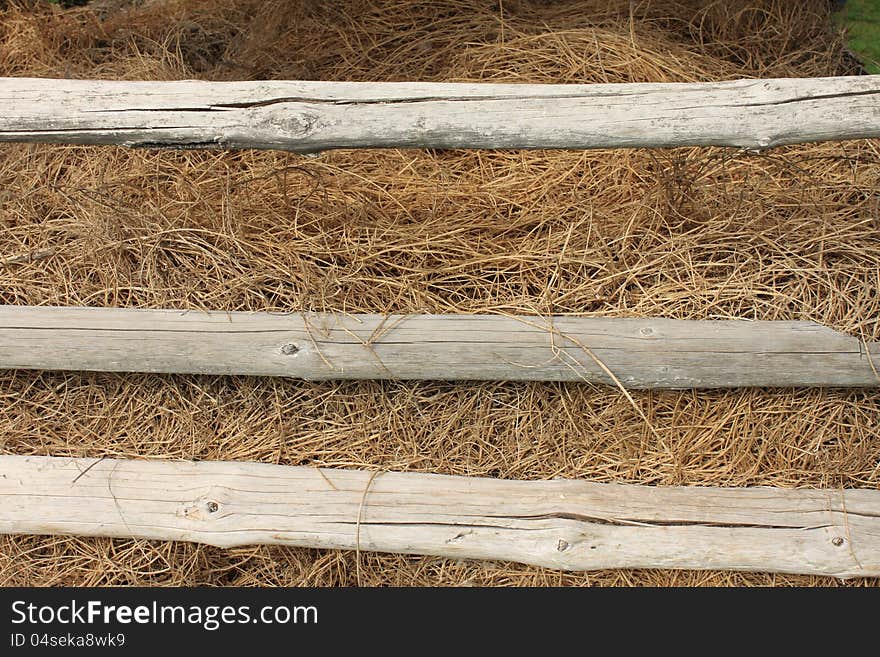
[[574, 525], [635, 353], [316, 116]]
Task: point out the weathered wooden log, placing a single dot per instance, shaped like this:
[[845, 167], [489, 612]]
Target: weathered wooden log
[[574, 525], [634, 353], [315, 116]]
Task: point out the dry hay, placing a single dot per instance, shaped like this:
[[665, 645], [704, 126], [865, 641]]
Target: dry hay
[[688, 233]]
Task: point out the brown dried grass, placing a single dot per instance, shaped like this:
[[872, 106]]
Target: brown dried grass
[[688, 233]]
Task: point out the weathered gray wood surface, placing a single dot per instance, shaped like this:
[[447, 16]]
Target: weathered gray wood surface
[[315, 116], [640, 353], [574, 525]]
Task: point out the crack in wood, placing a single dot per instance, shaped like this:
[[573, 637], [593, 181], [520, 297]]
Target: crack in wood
[[587, 520], [585, 96], [801, 99], [631, 522]]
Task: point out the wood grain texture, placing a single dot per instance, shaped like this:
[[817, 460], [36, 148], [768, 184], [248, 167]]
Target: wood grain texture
[[316, 116], [574, 525], [640, 353]]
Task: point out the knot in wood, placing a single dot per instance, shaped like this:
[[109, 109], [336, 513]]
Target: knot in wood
[[202, 508]]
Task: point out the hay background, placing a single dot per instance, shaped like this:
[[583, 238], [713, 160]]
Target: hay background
[[687, 233]]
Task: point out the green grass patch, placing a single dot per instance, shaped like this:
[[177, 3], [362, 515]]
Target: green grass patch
[[861, 18]]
